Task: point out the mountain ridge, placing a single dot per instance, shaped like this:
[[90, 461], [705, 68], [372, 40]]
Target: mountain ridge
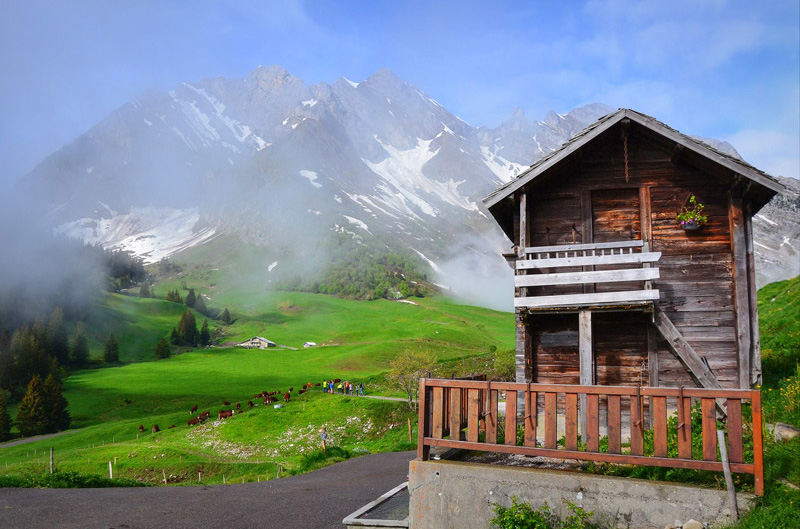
[[283, 164]]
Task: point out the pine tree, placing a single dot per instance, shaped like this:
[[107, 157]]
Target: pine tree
[[57, 414], [200, 305], [205, 334], [5, 420], [187, 329], [80, 346], [57, 345], [111, 350], [31, 414], [191, 299], [162, 349], [174, 337], [226, 317], [144, 291]]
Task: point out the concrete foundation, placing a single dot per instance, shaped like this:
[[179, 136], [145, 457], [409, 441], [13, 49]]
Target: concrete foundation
[[459, 495]]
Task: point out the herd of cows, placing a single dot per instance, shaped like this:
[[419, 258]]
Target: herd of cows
[[268, 397]]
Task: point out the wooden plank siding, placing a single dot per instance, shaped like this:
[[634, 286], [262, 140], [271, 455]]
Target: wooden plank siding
[[696, 282]]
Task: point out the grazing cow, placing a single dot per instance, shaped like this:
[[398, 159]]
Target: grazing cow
[[224, 414], [318, 384], [226, 403], [286, 396], [172, 426], [238, 406], [258, 396], [301, 391], [266, 400], [249, 403], [194, 409], [337, 380], [194, 421], [291, 389], [141, 427], [156, 428], [204, 416]]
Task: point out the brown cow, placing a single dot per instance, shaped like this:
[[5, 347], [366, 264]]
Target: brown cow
[[238, 406], [291, 389], [226, 403], [286, 396], [141, 427], [301, 391], [204, 416], [249, 403], [156, 428], [194, 421], [172, 426], [194, 409], [224, 414]]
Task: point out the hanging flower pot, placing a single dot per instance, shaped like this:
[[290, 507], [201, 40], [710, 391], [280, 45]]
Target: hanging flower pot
[[691, 217], [690, 224]]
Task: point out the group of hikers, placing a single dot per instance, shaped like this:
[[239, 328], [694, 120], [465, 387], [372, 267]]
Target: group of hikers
[[343, 387]]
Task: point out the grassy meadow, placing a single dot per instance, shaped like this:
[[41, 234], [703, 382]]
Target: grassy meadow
[[357, 341]]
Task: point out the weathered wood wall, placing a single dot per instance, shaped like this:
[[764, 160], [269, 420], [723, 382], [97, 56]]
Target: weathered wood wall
[[602, 203]]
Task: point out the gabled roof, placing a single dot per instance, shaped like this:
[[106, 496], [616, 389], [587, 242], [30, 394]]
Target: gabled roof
[[603, 124]]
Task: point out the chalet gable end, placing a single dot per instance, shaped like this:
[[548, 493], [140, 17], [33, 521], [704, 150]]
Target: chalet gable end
[[609, 287]]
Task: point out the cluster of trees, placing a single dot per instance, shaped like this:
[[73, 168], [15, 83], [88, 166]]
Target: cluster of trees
[[42, 348], [186, 333], [43, 409], [367, 274]]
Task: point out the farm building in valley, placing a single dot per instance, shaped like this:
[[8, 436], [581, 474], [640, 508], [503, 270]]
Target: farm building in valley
[[257, 342], [610, 287]]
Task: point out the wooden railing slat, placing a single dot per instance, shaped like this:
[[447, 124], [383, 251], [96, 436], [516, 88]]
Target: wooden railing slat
[[735, 448], [592, 423], [474, 414], [614, 425], [530, 418], [637, 427], [438, 413], [709, 410], [571, 422], [758, 446], [581, 278], [684, 428], [594, 260], [456, 413], [550, 420], [511, 418], [491, 417], [660, 427], [584, 247]]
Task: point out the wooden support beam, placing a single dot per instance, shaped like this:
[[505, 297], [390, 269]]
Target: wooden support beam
[[585, 359], [741, 290], [755, 343], [685, 352]]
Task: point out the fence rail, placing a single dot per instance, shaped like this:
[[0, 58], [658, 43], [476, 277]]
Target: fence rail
[[464, 414]]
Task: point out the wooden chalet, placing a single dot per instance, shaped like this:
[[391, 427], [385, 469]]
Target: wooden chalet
[[609, 288]]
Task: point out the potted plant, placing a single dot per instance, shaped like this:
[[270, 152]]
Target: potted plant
[[691, 217]]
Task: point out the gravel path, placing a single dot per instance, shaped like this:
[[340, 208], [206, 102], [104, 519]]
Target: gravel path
[[318, 500]]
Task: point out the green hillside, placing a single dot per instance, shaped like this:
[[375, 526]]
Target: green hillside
[[357, 340]]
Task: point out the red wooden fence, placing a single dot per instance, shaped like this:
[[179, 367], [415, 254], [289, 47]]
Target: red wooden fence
[[452, 414]]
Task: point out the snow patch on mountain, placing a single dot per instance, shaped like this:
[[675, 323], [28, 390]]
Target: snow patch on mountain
[[311, 176], [149, 232]]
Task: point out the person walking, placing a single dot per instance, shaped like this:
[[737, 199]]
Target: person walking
[[323, 435]]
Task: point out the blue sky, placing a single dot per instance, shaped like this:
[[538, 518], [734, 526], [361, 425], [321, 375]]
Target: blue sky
[[715, 68]]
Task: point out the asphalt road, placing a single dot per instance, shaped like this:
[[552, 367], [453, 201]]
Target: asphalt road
[[318, 500]]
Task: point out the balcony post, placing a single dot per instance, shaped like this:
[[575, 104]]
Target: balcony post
[[586, 358]]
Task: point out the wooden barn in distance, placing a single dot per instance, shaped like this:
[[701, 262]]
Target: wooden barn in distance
[[609, 287]]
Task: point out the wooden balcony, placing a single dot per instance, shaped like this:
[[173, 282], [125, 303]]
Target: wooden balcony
[[465, 415], [586, 276]]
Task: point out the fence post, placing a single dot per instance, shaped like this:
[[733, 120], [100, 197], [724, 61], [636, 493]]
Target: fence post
[[51, 459], [110, 471]]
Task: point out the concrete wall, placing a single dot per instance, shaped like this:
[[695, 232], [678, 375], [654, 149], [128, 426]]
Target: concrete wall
[[458, 495]]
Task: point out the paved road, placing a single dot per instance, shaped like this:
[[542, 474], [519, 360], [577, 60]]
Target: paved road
[[318, 500]]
